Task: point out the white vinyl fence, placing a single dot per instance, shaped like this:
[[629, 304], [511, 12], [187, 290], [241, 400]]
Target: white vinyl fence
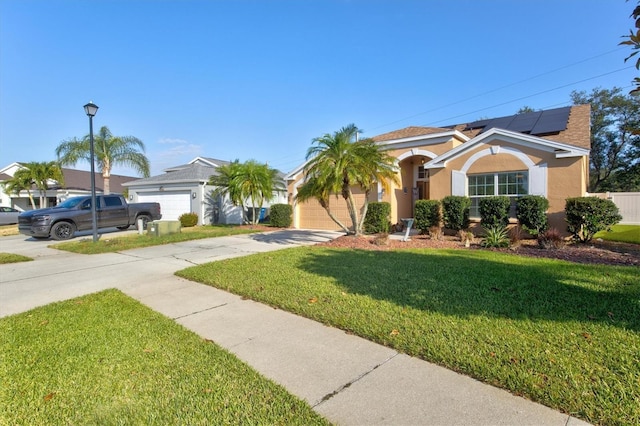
[[628, 204]]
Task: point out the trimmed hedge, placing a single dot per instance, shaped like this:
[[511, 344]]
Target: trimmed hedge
[[494, 211], [586, 216], [427, 214], [531, 211], [455, 212], [281, 215], [187, 220], [377, 219]]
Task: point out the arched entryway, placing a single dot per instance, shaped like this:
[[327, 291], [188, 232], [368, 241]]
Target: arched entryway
[[414, 183]]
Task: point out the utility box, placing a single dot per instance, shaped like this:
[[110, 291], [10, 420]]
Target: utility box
[[158, 228]]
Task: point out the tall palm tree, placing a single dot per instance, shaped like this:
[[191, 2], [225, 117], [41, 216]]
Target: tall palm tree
[[248, 181], [109, 151], [338, 162], [38, 174]]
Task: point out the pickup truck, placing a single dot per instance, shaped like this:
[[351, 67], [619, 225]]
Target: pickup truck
[[74, 214]]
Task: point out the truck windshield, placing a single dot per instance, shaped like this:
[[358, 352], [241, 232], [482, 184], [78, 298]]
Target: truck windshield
[[70, 203]]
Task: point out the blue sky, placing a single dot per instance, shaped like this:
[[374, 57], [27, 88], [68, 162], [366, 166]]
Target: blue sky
[[260, 79]]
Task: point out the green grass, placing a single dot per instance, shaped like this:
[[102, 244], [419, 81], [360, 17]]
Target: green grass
[[13, 258], [107, 244], [107, 359], [621, 233], [8, 230], [563, 334]]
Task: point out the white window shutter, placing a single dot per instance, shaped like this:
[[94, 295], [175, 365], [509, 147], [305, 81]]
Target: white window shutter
[[538, 180], [458, 183]]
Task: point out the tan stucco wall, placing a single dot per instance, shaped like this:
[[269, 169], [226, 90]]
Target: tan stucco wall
[[566, 177]]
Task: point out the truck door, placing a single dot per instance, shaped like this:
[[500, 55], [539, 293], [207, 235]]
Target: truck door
[[113, 212]]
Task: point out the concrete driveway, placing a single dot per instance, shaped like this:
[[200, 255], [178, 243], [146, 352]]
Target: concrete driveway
[[57, 275]]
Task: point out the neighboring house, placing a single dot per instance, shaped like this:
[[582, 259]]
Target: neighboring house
[[76, 182], [185, 189], [539, 153]]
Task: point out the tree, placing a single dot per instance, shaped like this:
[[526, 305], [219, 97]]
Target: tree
[[634, 42], [615, 140], [525, 109], [109, 150], [35, 174], [248, 181], [338, 162]]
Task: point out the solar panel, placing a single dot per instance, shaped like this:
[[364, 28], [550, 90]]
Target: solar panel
[[535, 123], [551, 121], [525, 122]]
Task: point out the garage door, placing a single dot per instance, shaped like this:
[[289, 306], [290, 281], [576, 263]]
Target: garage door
[[172, 203]]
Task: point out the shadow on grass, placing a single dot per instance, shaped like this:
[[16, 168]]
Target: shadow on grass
[[465, 283]]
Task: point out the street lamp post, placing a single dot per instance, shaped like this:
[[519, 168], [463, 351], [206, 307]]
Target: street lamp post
[[91, 110]]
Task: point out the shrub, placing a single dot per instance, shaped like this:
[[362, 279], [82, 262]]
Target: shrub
[[435, 233], [466, 237], [281, 215], [494, 211], [455, 212], [427, 214], [515, 235], [377, 219], [586, 216], [187, 220], [496, 236], [531, 213], [550, 239]]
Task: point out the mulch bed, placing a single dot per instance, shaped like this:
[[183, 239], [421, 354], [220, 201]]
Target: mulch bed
[[595, 252]]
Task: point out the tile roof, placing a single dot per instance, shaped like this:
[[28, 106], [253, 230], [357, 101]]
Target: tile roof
[[80, 179], [409, 132], [567, 124], [187, 173]]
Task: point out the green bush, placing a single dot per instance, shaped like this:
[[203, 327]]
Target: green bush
[[586, 216], [427, 214], [187, 220], [455, 212], [494, 211], [531, 211], [377, 219], [496, 236], [281, 215]]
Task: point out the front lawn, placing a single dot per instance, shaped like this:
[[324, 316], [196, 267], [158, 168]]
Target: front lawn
[[106, 359], [111, 244], [563, 334], [621, 233], [13, 258]]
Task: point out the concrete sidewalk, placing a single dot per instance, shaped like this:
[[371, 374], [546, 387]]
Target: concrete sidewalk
[[348, 380]]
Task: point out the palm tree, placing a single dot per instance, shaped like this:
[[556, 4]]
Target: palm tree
[[109, 150], [336, 163], [35, 174], [249, 181]]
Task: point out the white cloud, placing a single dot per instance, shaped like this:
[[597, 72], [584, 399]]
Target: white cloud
[[172, 152]]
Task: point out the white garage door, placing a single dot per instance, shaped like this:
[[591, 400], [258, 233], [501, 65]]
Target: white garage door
[[172, 203]]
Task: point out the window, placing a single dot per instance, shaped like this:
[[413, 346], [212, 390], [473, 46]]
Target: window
[[112, 201], [511, 184], [422, 173]]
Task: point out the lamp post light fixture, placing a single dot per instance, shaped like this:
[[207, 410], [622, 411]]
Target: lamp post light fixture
[[91, 109]]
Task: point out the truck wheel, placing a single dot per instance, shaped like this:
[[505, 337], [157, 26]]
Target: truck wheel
[[63, 231], [145, 219]]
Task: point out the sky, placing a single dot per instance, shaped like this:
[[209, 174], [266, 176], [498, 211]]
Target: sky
[[248, 79]]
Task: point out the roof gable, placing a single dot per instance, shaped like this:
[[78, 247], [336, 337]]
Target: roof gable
[[561, 150], [190, 173]]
